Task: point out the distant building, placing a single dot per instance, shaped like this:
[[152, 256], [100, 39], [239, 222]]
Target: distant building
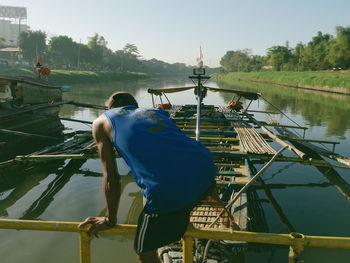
[[12, 23], [10, 32]]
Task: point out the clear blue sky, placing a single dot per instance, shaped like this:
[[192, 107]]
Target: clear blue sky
[[172, 31]]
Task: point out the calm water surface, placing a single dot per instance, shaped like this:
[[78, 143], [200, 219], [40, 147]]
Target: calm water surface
[[310, 201]]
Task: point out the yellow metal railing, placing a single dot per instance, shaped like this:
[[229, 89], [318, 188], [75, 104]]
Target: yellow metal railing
[[296, 242]]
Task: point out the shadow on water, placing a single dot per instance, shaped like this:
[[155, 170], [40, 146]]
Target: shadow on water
[[21, 180], [20, 183], [63, 176]]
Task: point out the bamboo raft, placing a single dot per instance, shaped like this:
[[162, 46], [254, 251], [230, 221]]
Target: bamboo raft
[[237, 141]]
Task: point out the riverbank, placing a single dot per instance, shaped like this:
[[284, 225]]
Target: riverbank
[[68, 77], [328, 81]]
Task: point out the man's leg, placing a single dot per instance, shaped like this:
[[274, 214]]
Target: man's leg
[[148, 257], [158, 230]]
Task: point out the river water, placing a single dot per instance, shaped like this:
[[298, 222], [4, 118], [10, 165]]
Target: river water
[[298, 198]]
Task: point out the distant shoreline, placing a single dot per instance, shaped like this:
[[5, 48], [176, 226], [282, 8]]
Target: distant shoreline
[[326, 81], [65, 77]]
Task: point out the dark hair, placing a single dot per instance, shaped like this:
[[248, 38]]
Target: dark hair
[[120, 99]]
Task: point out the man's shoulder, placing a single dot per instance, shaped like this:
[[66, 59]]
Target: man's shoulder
[[101, 124], [99, 121]]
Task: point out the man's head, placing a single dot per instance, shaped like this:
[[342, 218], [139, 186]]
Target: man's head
[[120, 99]]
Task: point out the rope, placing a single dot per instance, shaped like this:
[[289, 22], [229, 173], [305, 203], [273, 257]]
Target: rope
[[280, 111]]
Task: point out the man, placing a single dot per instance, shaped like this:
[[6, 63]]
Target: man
[[173, 171]]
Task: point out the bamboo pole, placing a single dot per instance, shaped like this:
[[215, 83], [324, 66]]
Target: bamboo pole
[[276, 139], [87, 105], [248, 184], [304, 162], [33, 108], [284, 126], [75, 120], [215, 154], [26, 134], [219, 138], [283, 143], [261, 111], [306, 140]]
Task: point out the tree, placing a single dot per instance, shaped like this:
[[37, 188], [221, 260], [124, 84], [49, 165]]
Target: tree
[[32, 44], [129, 58], [339, 52], [316, 51], [240, 60], [98, 47], [277, 56], [2, 42], [298, 54], [131, 49], [63, 52]]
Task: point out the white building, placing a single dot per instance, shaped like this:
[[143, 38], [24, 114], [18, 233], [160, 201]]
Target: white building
[[10, 32], [11, 23]]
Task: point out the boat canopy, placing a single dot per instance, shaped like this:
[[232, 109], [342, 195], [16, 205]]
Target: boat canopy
[[171, 90], [245, 94]]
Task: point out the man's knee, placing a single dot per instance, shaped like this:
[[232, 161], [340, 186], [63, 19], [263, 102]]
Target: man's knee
[[148, 257]]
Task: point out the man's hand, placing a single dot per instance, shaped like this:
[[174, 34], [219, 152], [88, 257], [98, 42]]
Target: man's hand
[[97, 224]]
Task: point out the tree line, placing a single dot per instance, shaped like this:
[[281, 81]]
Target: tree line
[[322, 52], [62, 52]]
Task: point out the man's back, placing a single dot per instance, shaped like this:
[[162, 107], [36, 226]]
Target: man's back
[[172, 169]]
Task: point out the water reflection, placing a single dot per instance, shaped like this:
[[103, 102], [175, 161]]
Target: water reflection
[[317, 108]]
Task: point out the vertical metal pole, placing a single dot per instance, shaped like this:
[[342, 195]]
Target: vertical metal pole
[[248, 106], [199, 101], [187, 248], [85, 251], [333, 149], [153, 101]]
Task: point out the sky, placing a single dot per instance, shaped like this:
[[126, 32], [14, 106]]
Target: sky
[[172, 31]]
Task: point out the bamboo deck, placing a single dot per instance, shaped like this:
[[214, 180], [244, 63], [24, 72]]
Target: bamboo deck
[[218, 135]]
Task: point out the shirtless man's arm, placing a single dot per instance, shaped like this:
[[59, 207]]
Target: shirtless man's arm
[[111, 182]]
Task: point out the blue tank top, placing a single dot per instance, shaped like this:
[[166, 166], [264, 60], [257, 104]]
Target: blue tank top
[[172, 169]]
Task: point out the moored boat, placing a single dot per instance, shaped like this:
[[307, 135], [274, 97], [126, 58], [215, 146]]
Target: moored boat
[[28, 114]]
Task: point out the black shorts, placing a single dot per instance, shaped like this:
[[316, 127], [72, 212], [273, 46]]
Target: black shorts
[[154, 230]]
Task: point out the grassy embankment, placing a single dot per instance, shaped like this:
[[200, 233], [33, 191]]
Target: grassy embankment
[[62, 77], [330, 81]]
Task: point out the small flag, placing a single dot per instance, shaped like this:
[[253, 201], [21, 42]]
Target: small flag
[[200, 58]]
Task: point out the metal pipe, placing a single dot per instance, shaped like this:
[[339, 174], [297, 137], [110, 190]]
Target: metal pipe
[[187, 247], [217, 234], [85, 250], [199, 101]]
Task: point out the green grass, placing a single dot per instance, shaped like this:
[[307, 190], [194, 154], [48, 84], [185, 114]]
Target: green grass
[[337, 81], [62, 77]]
